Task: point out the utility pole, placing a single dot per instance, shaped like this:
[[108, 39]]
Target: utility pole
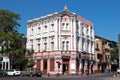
[[118, 70], [119, 48]]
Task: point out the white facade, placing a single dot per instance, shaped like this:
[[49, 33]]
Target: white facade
[[4, 63], [61, 33], [40, 32]]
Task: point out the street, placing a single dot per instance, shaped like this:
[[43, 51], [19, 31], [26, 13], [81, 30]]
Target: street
[[90, 77]]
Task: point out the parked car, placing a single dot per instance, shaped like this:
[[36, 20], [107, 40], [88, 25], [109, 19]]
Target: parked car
[[38, 73], [13, 72], [3, 73], [31, 73]]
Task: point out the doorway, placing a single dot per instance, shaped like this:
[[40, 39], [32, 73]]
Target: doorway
[[45, 66], [65, 68], [65, 65]]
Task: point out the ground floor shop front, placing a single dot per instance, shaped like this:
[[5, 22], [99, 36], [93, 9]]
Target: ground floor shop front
[[64, 64]]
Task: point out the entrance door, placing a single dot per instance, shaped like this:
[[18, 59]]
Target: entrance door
[[45, 66], [65, 68], [66, 64]]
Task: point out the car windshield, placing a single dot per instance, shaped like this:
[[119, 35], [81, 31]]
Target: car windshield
[[17, 70], [1, 70], [10, 70]]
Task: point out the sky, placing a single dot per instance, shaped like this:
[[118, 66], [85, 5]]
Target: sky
[[104, 14]]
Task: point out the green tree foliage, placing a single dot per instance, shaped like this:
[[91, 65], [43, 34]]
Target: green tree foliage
[[114, 53], [114, 58], [8, 31], [11, 40]]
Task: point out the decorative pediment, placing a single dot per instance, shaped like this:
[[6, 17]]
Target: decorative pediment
[[66, 12]]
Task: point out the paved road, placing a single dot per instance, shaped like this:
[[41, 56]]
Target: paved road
[[91, 77]]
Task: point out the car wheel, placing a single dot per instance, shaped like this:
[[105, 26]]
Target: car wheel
[[21, 74], [3, 74], [14, 74], [31, 75]]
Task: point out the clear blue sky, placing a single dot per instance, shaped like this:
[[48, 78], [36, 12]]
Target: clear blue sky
[[105, 14]]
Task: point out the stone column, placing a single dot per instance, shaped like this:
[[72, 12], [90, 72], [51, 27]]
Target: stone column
[[2, 65], [80, 67], [48, 66], [41, 65], [5, 65]]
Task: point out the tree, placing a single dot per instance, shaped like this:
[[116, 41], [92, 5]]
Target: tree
[[114, 58], [22, 58], [11, 40], [8, 31], [9, 37], [114, 53]]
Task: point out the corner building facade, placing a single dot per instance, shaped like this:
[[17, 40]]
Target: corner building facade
[[63, 42]]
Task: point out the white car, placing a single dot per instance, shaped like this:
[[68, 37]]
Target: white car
[[118, 71], [13, 72]]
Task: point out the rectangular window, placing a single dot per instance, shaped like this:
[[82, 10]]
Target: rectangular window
[[31, 40], [87, 30], [67, 26], [52, 27], [99, 56], [45, 29], [87, 46], [91, 30], [39, 30], [63, 24], [52, 45], [38, 47], [32, 31], [45, 46], [63, 45], [67, 45], [51, 64], [32, 47], [82, 31], [82, 44]]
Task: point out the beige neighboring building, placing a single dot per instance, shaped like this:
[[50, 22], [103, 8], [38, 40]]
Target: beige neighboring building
[[102, 54]]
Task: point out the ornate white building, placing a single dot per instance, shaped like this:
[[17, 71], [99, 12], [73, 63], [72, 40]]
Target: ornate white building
[[4, 63], [63, 43]]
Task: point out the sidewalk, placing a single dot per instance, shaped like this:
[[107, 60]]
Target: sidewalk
[[73, 75], [116, 78], [94, 74]]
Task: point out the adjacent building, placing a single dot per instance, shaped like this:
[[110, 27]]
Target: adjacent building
[[63, 43], [4, 63], [102, 54]]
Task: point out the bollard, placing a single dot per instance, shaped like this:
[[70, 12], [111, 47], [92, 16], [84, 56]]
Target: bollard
[[57, 74], [48, 74]]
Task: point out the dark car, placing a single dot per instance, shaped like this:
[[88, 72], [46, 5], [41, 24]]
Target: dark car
[[38, 73], [31, 73], [3, 73]]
